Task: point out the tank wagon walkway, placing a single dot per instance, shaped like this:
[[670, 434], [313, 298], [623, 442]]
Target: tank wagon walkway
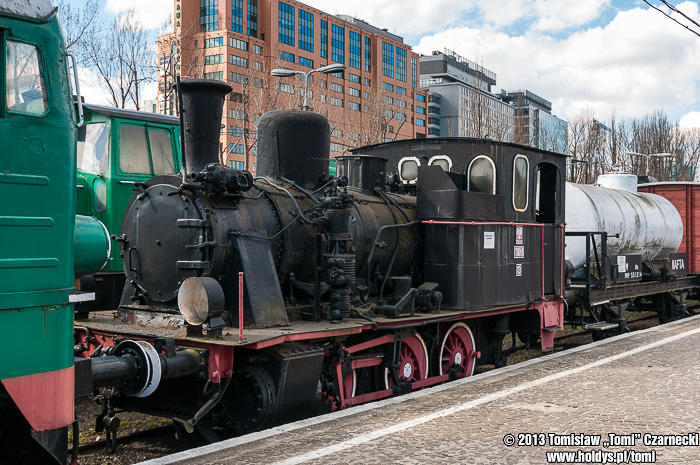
[[636, 394]]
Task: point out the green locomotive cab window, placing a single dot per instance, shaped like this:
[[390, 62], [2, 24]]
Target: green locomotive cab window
[[93, 148], [161, 151], [133, 150], [482, 175], [26, 90]]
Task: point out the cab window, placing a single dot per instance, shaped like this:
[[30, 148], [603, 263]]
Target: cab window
[[521, 186], [161, 151], [26, 90], [93, 148], [482, 175], [145, 150]]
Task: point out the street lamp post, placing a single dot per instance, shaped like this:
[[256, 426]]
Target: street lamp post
[[283, 72], [647, 156]]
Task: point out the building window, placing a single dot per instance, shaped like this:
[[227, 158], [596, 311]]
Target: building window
[[354, 92], [257, 82], [258, 66], [306, 31], [337, 133], [336, 87], [368, 54], [400, 90], [238, 77], [286, 88], [368, 82], [400, 65], [420, 122], [420, 110], [237, 16], [236, 114], [235, 132], [218, 75], [237, 165], [213, 59], [387, 59], [388, 113], [400, 103], [365, 95], [482, 175], [208, 15], [306, 62], [239, 44], [337, 43], [253, 19], [238, 61], [388, 100], [521, 184], [414, 71], [214, 42], [257, 49], [286, 23], [324, 39], [354, 78], [388, 87], [354, 50], [338, 102], [286, 56], [236, 148], [420, 97], [400, 116], [354, 106], [336, 147]]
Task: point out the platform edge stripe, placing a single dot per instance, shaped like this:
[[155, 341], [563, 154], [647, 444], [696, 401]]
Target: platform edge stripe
[[185, 456]]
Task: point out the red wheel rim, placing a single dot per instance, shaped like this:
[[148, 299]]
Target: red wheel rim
[[458, 347], [413, 361], [350, 384]]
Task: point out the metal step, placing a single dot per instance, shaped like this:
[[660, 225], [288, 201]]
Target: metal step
[[602, 325]]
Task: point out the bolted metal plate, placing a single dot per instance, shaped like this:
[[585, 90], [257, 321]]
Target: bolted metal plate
[[157, 241]]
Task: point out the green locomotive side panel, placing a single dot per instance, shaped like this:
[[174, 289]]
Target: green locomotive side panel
[[37, 197], [44, 336], [117, 148]]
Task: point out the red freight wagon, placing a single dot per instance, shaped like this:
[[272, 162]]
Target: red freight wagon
[[685, 196]]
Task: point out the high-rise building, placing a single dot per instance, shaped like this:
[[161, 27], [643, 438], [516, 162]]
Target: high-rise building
[[375, 99], [535, 124], [460, 100], [462, 104]]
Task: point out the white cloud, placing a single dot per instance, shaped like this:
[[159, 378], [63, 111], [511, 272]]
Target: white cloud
[[92, 89], [690, 120], [638, 63], [153, 13]]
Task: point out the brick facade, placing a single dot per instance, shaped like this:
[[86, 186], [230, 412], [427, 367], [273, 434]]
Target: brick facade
[[374, 100]]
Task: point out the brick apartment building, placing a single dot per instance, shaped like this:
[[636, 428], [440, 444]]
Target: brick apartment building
[[375, 99]]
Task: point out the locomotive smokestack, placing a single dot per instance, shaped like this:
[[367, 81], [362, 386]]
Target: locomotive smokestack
[[294, 145], [202, 107]]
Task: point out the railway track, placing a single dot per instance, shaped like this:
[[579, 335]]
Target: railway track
[[158, 441]]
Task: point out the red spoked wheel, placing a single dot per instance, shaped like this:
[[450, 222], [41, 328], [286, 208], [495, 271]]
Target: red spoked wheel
[[413, 361], [457, 347]]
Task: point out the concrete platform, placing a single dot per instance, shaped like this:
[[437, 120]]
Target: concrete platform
[[637, 387]]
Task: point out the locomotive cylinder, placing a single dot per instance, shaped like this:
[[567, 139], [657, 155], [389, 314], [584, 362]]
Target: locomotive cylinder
[[647, 224]]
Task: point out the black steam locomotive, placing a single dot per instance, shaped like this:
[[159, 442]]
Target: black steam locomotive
[[250, 302]]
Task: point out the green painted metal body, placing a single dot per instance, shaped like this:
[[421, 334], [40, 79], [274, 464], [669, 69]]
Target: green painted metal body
[[116, 149], [91, 245], [37, 195]]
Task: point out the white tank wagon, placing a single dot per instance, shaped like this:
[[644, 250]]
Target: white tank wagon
[[647, 224]]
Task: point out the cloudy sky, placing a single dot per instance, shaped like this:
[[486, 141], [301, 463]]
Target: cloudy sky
[[610, 56]]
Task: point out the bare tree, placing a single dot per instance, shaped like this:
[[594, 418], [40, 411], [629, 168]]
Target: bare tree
[[122, 59], [78, 24]]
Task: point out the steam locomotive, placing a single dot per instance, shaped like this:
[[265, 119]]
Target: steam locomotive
[[251, 302]]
